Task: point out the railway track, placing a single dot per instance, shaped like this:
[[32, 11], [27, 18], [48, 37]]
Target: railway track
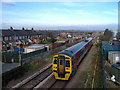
[[51, 83], [58, 84], [35, 79]]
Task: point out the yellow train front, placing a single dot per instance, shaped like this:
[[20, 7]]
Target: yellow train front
[[66, 62], [61, 66]]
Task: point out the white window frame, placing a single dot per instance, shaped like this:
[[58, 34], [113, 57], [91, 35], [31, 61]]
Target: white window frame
[[6, 38], [10, 38], [15, 37], [20, 37]]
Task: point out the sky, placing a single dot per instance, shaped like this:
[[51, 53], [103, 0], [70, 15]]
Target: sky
[[60, 15]]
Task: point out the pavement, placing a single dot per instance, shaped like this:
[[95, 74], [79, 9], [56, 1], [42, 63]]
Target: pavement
[[8, 66]]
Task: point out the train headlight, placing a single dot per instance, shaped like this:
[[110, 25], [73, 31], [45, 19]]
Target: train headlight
[[55, 67]]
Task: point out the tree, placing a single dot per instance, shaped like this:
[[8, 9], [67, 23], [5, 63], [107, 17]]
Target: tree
[[72, 30], [50, 34], [106, 32], [107, 35], [86, 33]]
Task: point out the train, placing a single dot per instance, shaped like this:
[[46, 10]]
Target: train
[[66, 62]]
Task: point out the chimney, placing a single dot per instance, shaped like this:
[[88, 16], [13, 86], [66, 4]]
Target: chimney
[[23, 28], [32, 29], [11, 28]]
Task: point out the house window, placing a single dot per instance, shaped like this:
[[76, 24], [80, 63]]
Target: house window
[[16, 37], [10, 38], [1, 39], [6, 38], [23, 37], [20, 37]]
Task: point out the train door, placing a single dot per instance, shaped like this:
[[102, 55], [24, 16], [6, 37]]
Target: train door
[[61, 66]]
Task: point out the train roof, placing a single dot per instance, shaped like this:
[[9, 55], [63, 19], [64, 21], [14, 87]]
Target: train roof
[[75, 48]]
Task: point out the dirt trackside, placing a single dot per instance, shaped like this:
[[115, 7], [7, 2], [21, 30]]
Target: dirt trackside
[[76, 81]]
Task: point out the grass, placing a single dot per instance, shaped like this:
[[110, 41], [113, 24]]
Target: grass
[[38, 63], [89, 74], [50, 56], [33, 65], [99, 70]]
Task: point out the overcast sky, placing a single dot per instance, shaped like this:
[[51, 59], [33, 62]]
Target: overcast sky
[[60, 15]]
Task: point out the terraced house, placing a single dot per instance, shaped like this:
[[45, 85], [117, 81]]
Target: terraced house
[[13, 37]]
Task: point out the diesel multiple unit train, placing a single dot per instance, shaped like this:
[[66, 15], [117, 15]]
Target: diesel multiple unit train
[[67, 61]]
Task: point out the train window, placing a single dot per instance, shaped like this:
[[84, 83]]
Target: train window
[[55, 61], [67, 58], [60, 62], [67, 63]]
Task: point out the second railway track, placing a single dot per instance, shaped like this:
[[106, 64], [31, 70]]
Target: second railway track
[[35, 79], [58, 84]]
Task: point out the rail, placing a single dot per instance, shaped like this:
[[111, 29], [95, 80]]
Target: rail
[[31, 77]]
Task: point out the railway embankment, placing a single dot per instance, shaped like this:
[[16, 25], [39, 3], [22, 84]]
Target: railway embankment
[[34, 66], [93, 77]]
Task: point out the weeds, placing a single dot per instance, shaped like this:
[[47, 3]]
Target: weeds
[[98, 77]]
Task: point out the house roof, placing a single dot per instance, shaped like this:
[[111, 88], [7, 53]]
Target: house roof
[[8, 32], [111, 47], [30, 32], [20, 32]]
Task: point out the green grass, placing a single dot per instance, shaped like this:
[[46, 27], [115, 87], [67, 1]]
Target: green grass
[[38, 63], [98, 78], [33, 65], [50, 56]]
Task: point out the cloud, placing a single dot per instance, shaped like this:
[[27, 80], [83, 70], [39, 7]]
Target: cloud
[[8, 2], [114, 12]]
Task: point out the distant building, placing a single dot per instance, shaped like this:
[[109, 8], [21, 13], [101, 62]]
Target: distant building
[[118, 36], [63, 34], [115, 33], [33, 48]]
